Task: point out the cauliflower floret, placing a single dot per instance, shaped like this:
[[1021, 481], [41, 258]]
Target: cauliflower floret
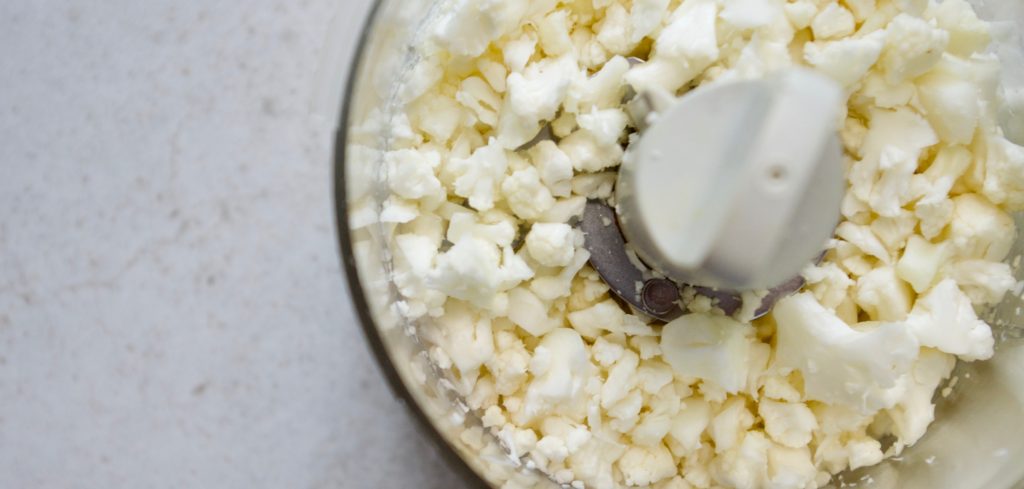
[[833, 21], [789, 424], [950, 103], [889, 193], [945, 319], [613, 31], [801, 13], [642, 466], [902, 129], [517, 52], [468, 340], [621, 380], [475, 23], [912, 47], [845, 60], [688, 425], [529, 312], [554, 33], [534, 96], [841, 365], [526, 195], [729, 425], [645, 17], [984, 282], [554, 167], [437, 115], [602, 90], [551, 244], [746, 465], [605, 315], [883, 295], [790, 468], [911, 417], [921, 262], [863, 239], [714, 348], [685, 47], [967, 33], [1004, 177], [477, 176], [980, 229], [477, 95], [588, 153], [560, 368]]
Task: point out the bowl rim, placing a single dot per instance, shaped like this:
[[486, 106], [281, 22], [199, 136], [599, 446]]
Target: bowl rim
[[348, 264]]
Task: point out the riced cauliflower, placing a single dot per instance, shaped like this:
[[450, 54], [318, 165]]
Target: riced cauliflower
[[515, 115]]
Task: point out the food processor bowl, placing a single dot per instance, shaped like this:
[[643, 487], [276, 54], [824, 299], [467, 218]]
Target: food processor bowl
[[975, 442]]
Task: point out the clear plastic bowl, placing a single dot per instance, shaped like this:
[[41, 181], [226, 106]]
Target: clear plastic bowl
[[976, 442]]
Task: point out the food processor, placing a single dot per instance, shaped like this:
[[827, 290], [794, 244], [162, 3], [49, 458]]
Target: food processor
[[977, 439]]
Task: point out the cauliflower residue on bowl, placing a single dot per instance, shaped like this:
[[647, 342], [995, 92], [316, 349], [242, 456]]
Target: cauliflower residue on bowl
[[496, 278]]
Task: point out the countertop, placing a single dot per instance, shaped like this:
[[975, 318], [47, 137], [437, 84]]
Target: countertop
[[172, 310]]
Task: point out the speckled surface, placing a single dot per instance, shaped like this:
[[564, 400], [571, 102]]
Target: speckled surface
[[172, 312]]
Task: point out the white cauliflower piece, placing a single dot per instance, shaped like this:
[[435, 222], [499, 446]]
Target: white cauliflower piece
[[967, 33], [945, 319], [601, 90], [980, 229], [688, 425], [621, 380], [606, 125], [554, 167], [751, 14], [921, 262], [474, 24], [883, 295], [605, 315], [477, 95], [643, 466], [841, 365], [889, 194], [829, 283], [554, 32], [526, 195], [713, 348], [477, 177], [467, 340], [984, 282], [950, 103], [833, 21], [560, 368], [911, 417], [845, 60], [529, 312], [685, 47], [913, 46], [613, 31], [902, 129], [588, 153], [730, 424], [1004, 177], [517, 52], [534, 96], [790, 468], [864, 239], [801, 13], [645, 17], [746, 465], [789, 424], [551, 244], [411, 174]]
